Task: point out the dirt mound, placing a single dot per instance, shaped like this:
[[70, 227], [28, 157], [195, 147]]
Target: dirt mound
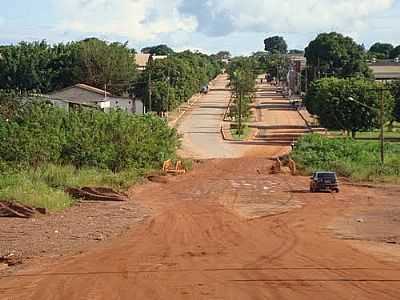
[[16, 210], [158, 179], [96, 194]]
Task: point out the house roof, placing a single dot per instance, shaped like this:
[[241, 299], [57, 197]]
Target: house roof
[[92, 89], [386, 71], [142, 59], [156, 57]]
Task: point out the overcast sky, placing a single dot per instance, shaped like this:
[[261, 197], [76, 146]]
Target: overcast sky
[[239, 26]]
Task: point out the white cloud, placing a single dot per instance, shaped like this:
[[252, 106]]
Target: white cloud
[[139, 20], [233, 24], [294, 15]]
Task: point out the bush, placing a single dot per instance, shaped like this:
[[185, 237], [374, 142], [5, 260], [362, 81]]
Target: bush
[[39, 134], [358, 160]]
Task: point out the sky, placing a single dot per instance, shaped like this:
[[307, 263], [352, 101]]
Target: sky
[[239, 26]]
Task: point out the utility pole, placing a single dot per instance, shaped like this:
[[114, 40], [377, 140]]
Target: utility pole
[[240, 112], [306, 80], [150, 92], [169, 81]]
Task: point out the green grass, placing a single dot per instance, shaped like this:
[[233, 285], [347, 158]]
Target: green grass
[[374, 134], [246, 131], [24, 189], [358, 160], [371, 134], [44, 187]]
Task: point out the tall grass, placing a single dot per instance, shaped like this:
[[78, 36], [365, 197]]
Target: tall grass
[[44, 187], [358, 160]]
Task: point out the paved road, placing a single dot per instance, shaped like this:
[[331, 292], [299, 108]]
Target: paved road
[[201, 126]]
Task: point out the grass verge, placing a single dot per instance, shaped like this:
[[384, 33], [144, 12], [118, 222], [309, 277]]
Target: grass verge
[[357, 160], [246, 132]]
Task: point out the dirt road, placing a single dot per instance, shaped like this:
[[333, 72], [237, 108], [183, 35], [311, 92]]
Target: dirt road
[[228, 230]]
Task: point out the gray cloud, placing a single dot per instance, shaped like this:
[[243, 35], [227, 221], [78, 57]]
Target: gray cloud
[[212, 24]]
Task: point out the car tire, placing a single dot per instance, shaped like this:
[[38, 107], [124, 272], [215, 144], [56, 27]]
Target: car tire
[[337, 190]]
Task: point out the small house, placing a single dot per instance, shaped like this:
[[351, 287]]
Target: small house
[[88, 96], [142, 60]]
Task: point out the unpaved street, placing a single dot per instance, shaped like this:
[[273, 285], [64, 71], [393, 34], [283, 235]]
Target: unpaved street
[[228, 230]]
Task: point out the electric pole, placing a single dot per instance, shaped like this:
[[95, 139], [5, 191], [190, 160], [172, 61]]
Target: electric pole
[[169, 81], [240, 112], [150, 92]]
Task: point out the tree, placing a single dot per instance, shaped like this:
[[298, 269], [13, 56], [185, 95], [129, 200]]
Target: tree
[[277, 65], [39, 66], [175, 79], [107, 64], [381, 50], [276, 44], [396, 95], [242, 77], [395, 52], [350, 104], [158, 50], [224, 55], [332, 54], [296, 51]]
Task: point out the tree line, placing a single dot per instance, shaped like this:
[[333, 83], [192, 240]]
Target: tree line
[[167, 83], [41, 67]]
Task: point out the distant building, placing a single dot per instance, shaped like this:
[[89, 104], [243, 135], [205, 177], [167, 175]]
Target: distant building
[[297, 64], [158, 57], [298, 61], [385, 70], [88, 96], [142, 60]]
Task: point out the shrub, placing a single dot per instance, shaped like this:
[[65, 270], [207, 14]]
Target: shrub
[[38, 134]]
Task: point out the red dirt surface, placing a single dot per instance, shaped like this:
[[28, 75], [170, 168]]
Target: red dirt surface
[[227, 230]]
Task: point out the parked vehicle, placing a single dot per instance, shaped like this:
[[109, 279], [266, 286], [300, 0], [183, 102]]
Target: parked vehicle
[[324, 181], [204, 90]]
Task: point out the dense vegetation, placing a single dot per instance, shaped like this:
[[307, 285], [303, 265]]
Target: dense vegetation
[[384, 51], [381, 50], [332, 54], [275, 64], [350, 104], [41, 67], [354, 159], [158, 50], [396, 94], [275, 44], [175, 79], [36, 133], [44, 149]]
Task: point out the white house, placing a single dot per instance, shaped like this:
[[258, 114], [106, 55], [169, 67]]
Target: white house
[[85, 95]]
